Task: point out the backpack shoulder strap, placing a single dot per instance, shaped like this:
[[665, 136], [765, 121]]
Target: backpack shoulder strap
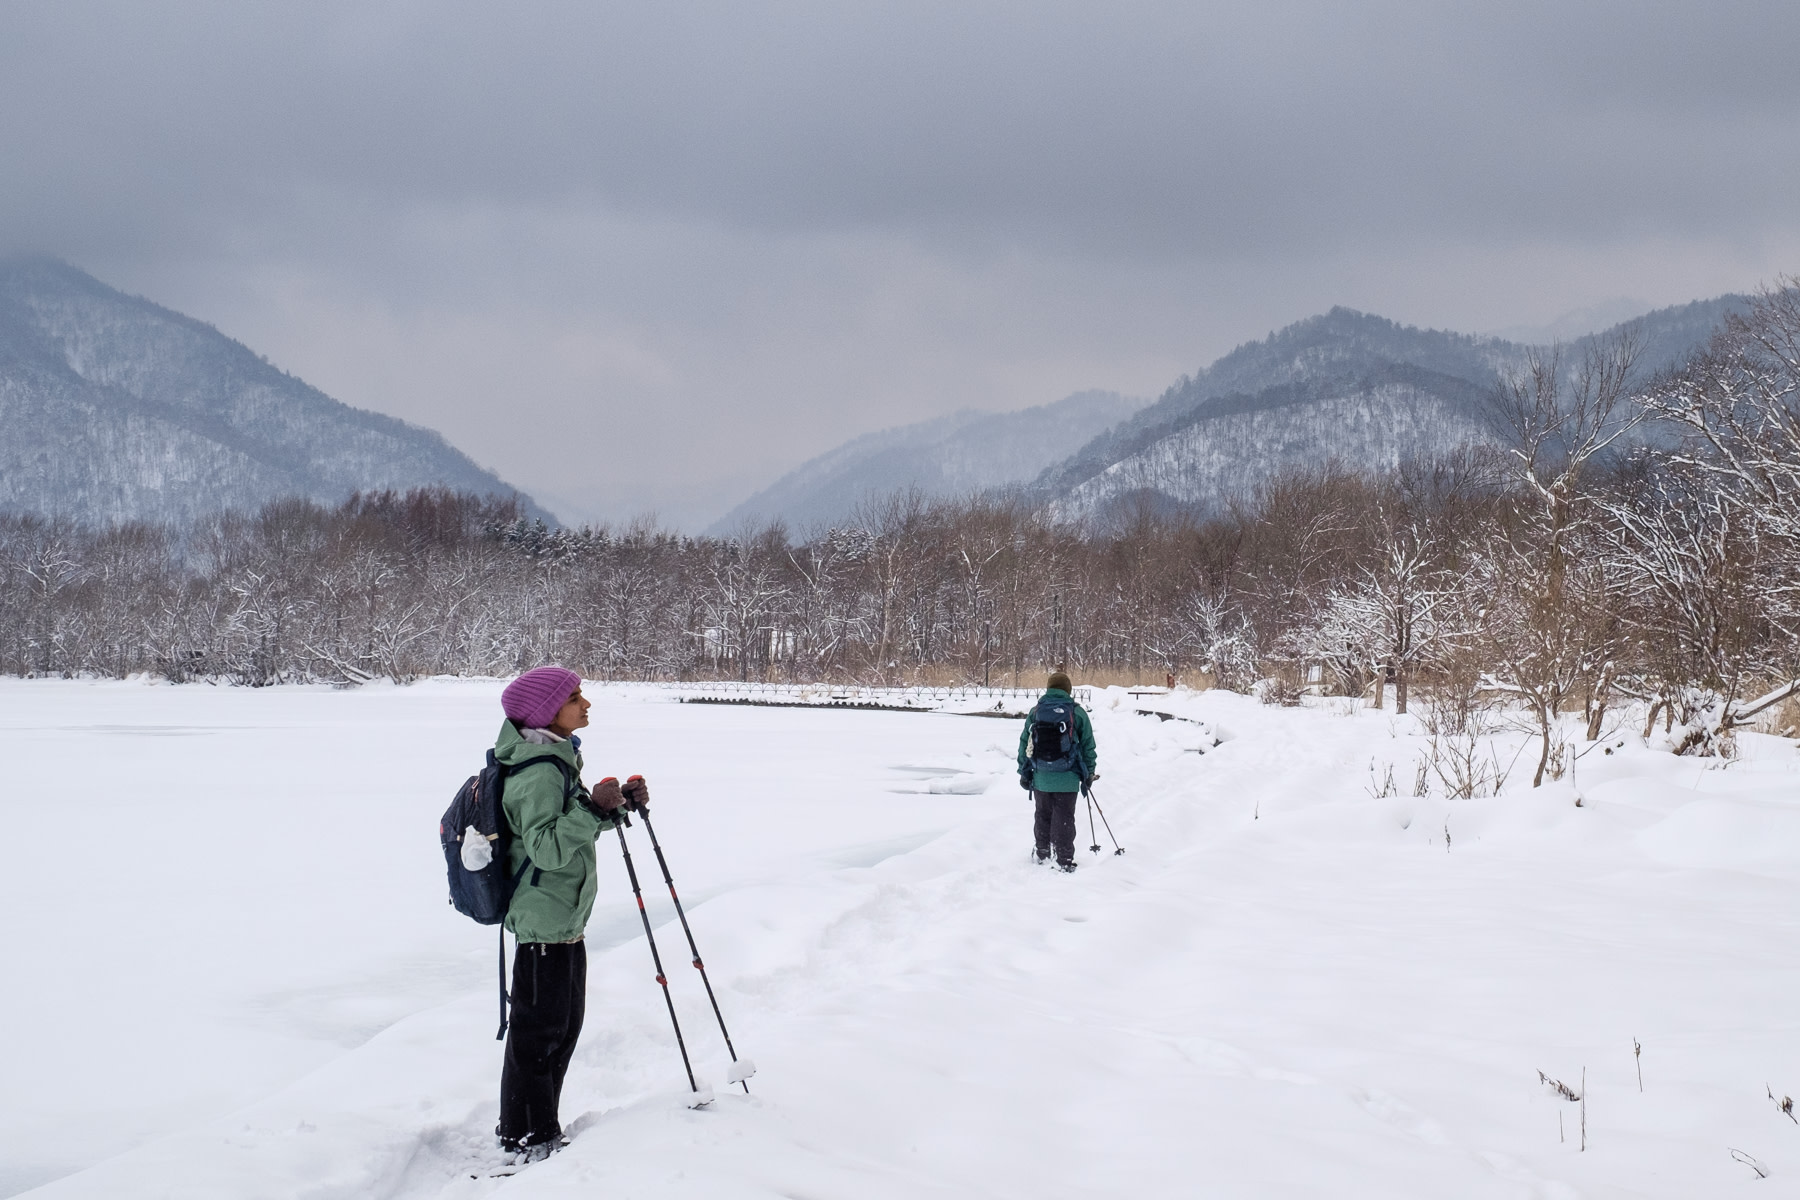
[[511, 768], [568, 771], [507, 769]]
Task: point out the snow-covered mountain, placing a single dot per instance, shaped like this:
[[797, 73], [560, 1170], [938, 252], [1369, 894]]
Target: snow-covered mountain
[[117, 409], [1344, 386], [1370, 421], [966, 452]]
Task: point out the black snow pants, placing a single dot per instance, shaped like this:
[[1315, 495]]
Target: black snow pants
[[1054, 823], [549, 999]]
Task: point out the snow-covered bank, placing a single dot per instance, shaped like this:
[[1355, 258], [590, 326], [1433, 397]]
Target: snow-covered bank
[[241, 971]]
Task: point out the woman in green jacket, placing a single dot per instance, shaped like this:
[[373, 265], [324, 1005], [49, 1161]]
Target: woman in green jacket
[[554, 821]]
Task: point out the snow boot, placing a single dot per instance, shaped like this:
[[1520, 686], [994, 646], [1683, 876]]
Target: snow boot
[[1067, 868], [526, 1150]]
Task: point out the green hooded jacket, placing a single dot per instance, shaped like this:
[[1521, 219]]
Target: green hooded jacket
[[556, 832], [1061, 781]]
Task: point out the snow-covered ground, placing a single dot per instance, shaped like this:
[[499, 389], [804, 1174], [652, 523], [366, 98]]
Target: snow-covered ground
[[232, 972]]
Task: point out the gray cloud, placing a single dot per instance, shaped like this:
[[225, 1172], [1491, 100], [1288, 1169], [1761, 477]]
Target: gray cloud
[[704, 241]]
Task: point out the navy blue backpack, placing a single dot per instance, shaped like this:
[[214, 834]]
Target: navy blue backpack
[[484, 895], [1054, 745]]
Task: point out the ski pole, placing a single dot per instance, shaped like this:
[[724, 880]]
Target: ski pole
[[657, 959], [1092, 836], [1117, 849], [742, 1076]]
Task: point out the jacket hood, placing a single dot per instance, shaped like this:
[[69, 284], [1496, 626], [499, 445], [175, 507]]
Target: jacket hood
[[510, 747]]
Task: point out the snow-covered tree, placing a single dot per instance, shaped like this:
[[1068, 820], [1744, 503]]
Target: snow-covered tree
[[1552, 625]]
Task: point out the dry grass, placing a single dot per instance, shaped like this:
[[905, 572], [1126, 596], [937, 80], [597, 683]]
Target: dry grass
[[1129, 679], [1783, 720]]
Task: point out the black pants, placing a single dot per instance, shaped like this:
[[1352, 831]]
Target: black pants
[[549, 999], [1055, 823]]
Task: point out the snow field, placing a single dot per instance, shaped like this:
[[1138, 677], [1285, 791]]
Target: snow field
[[1286, 987]]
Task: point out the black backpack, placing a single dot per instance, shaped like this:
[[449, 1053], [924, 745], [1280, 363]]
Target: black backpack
[[1054, 745], [484, 895]]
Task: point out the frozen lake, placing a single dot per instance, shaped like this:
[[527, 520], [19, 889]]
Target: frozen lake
[[235, 974]]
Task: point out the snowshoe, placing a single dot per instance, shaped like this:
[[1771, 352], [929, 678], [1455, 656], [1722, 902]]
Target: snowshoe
[[522, 1152]]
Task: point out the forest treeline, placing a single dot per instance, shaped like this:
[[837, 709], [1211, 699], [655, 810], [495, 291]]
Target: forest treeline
[[1630, 539]]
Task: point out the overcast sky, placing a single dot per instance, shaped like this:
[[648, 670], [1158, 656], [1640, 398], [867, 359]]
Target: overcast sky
[[649, 257]]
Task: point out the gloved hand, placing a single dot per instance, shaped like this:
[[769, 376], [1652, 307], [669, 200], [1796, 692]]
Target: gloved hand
[[1026, 777], [606, 799], [636, 793]]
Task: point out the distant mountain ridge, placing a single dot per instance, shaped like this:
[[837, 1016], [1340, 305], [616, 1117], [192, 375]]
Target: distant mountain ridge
[[116, 409], [1344, 386], [962, 453], [1337, 346]]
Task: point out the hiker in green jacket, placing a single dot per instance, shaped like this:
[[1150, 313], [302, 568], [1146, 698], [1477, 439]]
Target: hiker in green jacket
[[1057, 758], [554, 821]]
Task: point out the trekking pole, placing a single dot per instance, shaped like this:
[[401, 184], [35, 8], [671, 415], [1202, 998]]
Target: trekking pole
[[657, 959], [740, 1071], [1092, 836], [1117, 849]]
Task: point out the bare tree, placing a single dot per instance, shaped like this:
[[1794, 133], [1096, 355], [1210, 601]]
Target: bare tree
[[1554, 636], [1737, 407], [1398, 612], [45, 560], [1695, 601]]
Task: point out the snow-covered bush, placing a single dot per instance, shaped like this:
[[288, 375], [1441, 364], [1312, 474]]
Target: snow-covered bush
[[1278, 689]]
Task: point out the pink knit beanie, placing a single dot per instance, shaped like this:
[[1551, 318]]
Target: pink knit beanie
[[532, 700]]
